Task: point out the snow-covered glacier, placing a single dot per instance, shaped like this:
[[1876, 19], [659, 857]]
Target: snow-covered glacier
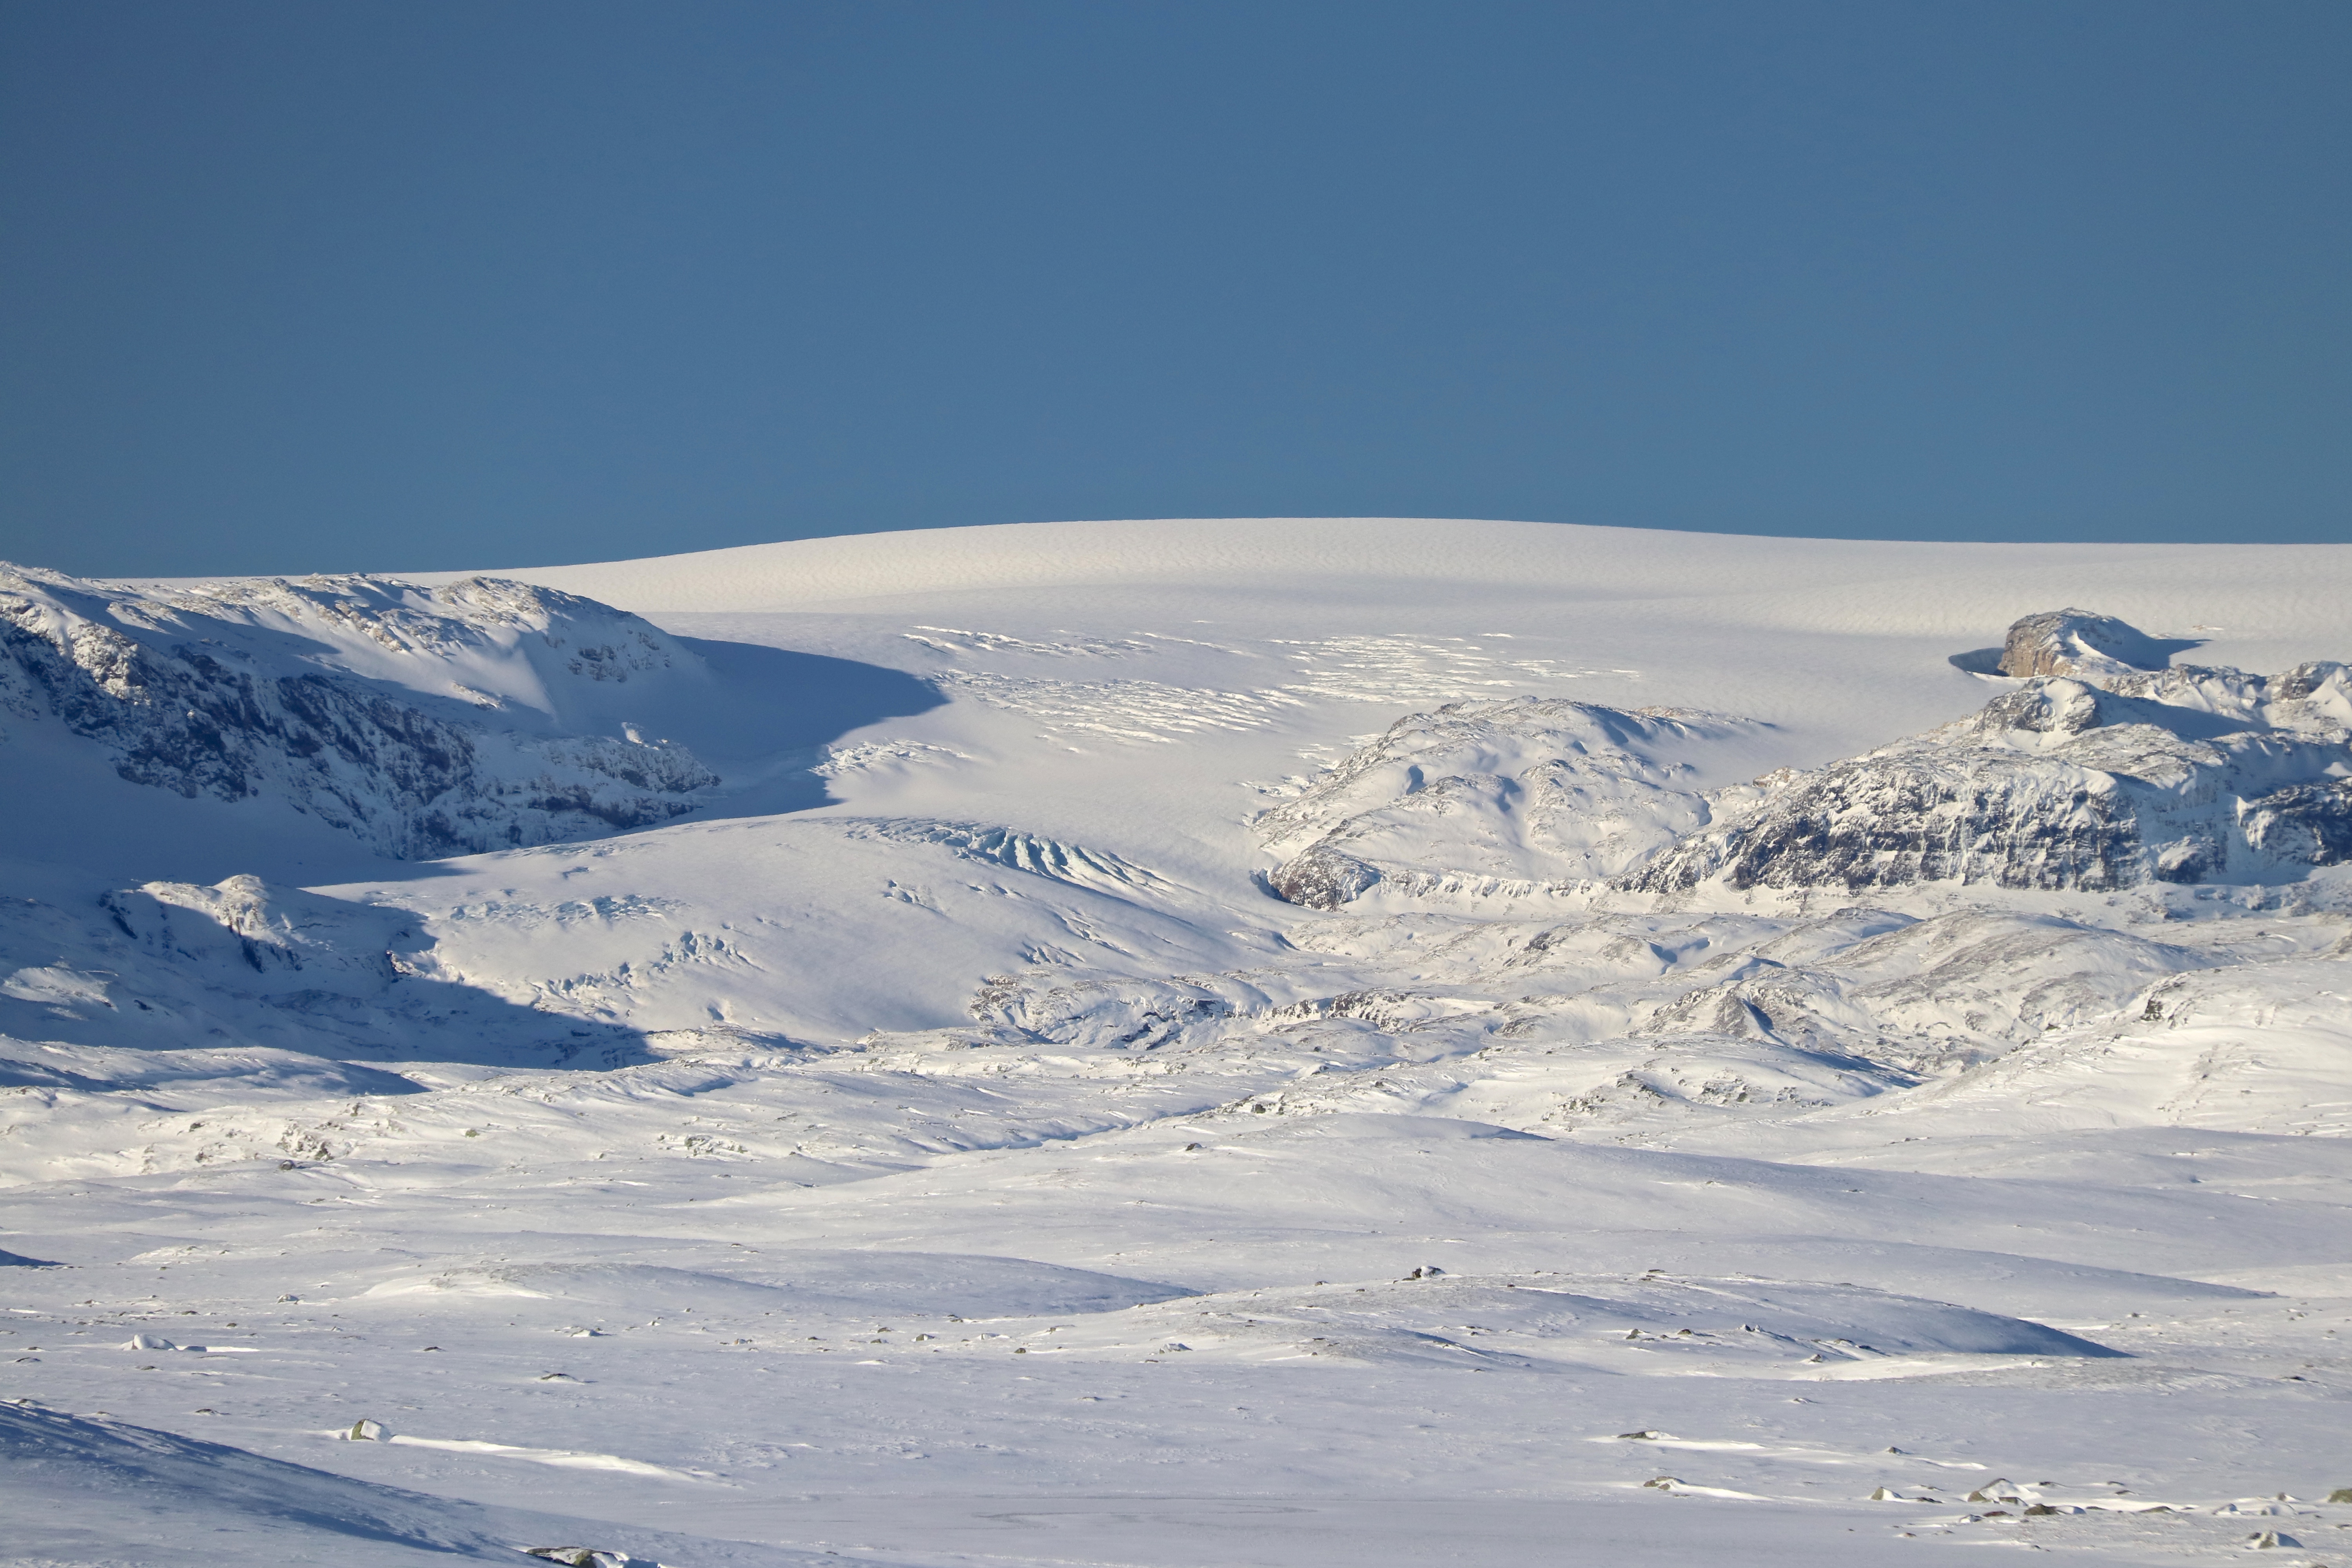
[[1276, 1041]]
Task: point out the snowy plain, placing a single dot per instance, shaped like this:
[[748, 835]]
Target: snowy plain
[[1151, 1043]]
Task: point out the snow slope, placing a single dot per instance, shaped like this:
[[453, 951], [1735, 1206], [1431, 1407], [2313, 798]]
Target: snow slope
[[1273, 1041]]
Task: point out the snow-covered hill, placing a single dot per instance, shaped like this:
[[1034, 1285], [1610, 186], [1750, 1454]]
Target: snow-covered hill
[[2094, 779], [425, 721], [1724, 1049]]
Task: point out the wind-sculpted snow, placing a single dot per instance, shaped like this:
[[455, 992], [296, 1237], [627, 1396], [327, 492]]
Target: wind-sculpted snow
[[425, 721], [1018, 851], [244, 988], [1558, 1321], [1129, 710], [1689, 1136], [101, 1485], [811, 1280], [1132, 712], [293, 942]]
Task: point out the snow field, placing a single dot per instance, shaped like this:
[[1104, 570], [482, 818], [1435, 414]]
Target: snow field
[[839, 1165]]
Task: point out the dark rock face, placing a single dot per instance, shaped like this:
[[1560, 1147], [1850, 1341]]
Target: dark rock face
[[1323, 878], [2304, 822], [2126, 771], [2104, 767], [1877, 823], [2058, 642], [2305, 680], [191, 707], [2114, 775], [2065, 708]]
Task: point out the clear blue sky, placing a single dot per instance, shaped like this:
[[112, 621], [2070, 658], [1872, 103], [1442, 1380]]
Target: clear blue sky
[[349, 285]]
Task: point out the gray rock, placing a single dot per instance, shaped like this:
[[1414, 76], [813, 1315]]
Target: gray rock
[[2108, 776], [1322, 877], [287, 689], [2058, 642]]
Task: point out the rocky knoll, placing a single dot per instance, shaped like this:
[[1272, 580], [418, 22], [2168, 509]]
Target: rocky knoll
[[2061, 642], [475, 715], [2099, 765], [2097, 771], [1509, 797]]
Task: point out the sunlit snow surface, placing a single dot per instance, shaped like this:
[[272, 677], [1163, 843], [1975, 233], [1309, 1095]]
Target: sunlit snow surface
[[940, 1146]]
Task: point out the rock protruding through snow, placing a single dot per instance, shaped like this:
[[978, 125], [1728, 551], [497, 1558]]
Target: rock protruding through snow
[[2061, 642], [481, 714], [2099, 772]]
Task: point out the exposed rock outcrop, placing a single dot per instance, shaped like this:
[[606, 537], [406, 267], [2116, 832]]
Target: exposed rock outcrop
[[2112, 774], [481, 714], [2061, 642]]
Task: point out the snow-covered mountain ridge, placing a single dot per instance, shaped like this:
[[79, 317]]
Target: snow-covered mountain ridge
[[1525, 794], [479, 714], [2092, 774]]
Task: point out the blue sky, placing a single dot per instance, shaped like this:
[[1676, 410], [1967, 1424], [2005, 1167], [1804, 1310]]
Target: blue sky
[[342, 285]]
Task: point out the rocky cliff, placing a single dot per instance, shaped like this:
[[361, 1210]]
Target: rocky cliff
[[424, 721], [2095, 772]]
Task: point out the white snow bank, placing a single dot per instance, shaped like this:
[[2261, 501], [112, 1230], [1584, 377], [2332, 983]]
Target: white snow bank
[[75, 1485]]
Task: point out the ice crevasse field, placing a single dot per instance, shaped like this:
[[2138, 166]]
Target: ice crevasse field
[[1166, 1044]]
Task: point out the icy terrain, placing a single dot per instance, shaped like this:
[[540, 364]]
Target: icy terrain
[[1274, 1042]]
